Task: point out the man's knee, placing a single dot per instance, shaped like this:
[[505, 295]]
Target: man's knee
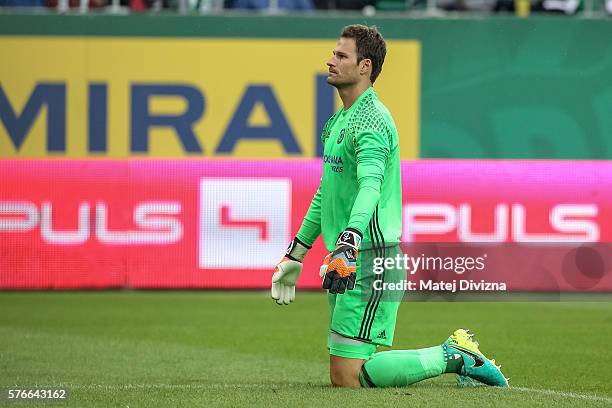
[[344, 372]]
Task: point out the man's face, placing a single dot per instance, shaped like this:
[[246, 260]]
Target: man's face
[[343, 69]]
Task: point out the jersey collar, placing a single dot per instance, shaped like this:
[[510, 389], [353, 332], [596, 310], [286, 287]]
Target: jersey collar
[[358, 100]]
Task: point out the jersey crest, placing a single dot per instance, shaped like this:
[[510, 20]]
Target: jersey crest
[[341, 136]]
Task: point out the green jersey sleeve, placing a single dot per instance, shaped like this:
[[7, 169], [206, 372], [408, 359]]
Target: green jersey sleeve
[[311, 225], [371, 151]]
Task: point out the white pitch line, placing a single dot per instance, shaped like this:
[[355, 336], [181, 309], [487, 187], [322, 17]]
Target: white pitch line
[[563, 394]]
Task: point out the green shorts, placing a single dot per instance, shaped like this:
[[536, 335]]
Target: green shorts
[[364, 318]]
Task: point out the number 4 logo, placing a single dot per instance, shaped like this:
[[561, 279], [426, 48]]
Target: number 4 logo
[[244, 222]]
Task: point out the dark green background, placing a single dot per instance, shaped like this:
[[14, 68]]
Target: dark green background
[[490, 87]]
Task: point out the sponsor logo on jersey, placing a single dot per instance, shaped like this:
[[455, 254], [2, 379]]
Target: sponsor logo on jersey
[[335, 161], [332, 159]]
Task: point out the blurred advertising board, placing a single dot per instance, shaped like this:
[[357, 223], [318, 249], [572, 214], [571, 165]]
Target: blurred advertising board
[[183, 97], [509, 89], [226, 223]]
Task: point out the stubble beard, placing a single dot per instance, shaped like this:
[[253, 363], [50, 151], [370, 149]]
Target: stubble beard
[[338, 84]]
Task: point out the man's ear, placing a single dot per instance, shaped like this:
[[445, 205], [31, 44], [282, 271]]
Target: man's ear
[[365, 65]]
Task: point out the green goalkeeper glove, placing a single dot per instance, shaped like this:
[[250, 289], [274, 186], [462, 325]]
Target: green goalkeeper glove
[[287, 272]]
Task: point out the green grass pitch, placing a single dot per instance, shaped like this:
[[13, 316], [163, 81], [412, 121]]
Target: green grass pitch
[[171, 349]]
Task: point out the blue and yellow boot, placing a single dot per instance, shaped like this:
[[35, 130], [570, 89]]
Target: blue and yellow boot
[[475, 365]]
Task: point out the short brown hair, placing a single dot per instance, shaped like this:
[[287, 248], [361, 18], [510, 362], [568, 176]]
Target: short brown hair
[[370, 44]]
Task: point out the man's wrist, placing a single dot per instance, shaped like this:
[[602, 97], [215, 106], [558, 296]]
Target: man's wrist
[[351, 237], [297, 250]]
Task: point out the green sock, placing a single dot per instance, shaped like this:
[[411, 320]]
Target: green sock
[[398, 368]]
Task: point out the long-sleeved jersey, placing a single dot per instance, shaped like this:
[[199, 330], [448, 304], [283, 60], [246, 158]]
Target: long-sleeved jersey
[[361, 184]]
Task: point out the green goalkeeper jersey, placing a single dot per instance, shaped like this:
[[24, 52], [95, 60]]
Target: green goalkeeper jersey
[[361, 184]]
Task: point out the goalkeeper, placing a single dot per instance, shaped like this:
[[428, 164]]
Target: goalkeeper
[[358, 209]]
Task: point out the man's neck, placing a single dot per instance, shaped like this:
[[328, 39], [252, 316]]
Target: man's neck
[[351, 93]]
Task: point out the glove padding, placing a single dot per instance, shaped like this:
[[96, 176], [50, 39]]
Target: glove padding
[[284, 279], [339, 270], [339, 267], [287, 272]]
